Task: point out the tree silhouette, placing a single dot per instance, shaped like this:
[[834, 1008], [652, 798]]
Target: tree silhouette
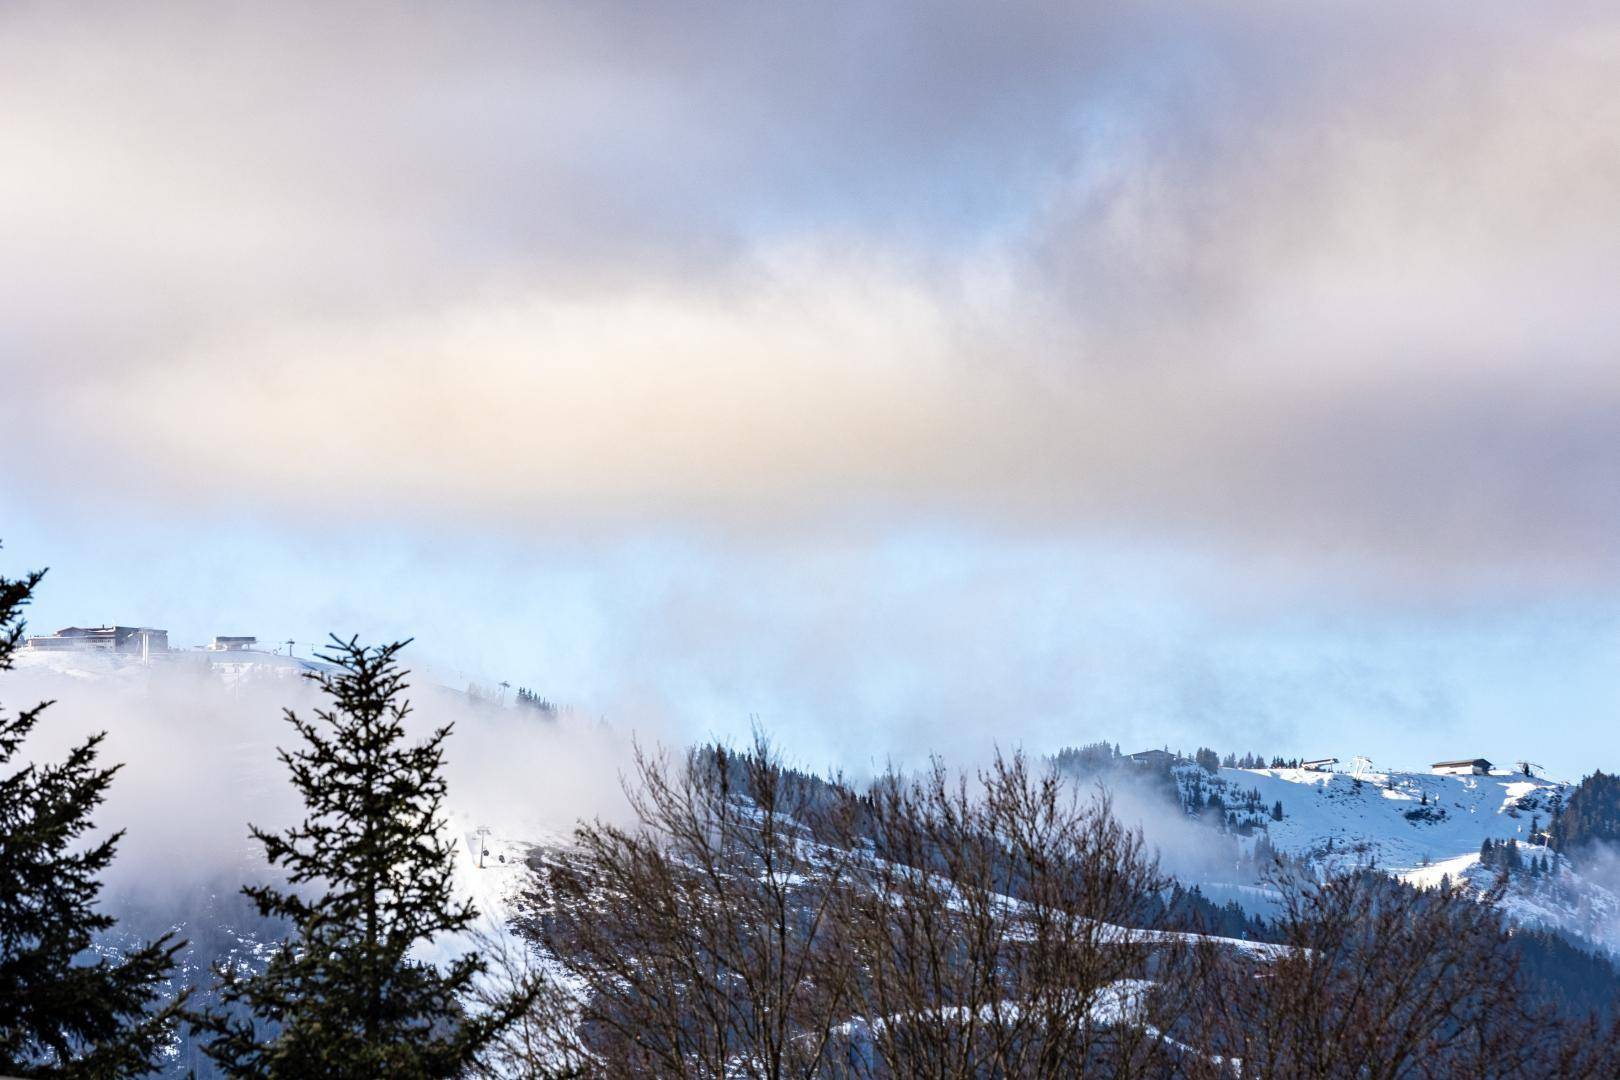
[[59, 1014], [370, 877]]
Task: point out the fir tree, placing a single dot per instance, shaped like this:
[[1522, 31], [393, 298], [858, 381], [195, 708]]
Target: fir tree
[[1277, 811], [370, 877], [1592, 815], [62, 1014], [533, 700]]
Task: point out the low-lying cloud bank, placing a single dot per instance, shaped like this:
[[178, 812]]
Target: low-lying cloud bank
[[198, 757], [197, 751], [1255, 276]]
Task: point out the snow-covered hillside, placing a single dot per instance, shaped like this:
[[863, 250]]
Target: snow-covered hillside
[[1398, 820], [1424, 827], [102, 665], [1419, 826]]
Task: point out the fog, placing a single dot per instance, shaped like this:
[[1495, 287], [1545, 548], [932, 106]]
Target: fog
[[1185, 849], [1595, 906], [197, 756]]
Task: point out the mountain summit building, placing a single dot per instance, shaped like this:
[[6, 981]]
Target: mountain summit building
[[122, 639], [1471, 767]]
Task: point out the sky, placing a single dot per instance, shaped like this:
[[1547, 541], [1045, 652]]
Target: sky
[[897, 377]]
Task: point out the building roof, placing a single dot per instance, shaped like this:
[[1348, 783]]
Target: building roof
[[1462, 761], [1322, 761], [85, 631]]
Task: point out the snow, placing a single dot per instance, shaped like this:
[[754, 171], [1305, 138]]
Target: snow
[[1119, 1003], [1255, 950], [1334, 822], [102, 664], [1367, 822], [1419, 826], [1458, 869]]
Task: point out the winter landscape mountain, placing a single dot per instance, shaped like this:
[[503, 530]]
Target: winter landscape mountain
[[1222, 829], [863, 540]]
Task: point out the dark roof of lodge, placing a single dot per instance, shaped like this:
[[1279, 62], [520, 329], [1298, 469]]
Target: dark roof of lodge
[[1463, 761], [85, 631]]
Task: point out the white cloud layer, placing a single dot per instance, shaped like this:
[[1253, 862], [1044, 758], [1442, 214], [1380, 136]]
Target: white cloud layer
[[1323, 279]]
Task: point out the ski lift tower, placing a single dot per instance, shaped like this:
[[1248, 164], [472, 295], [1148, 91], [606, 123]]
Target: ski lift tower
[[1528, 768], [479, 834]]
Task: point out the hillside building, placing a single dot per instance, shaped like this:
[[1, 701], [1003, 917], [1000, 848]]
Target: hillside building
[[1470, 767], [1320, 764], [121, 639]]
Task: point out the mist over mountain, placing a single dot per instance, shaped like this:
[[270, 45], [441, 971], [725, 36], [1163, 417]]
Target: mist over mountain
[[196, 733], [936, 539]]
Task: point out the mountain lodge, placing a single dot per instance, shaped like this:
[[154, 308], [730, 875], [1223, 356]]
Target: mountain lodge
[[1471, 767]]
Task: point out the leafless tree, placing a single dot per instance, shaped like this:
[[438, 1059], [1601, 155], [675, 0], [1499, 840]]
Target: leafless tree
[[990, 929], [702, 938], [1383, 981], [758, 923], [1584, 1049], [541, 1043]]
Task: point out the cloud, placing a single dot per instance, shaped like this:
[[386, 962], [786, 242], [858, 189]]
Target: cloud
[[198, 757], [1326, 283]]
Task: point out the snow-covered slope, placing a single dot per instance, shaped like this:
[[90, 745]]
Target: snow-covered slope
[[1399, 821], [1424, 828], [1419, 826], [230, 666]]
